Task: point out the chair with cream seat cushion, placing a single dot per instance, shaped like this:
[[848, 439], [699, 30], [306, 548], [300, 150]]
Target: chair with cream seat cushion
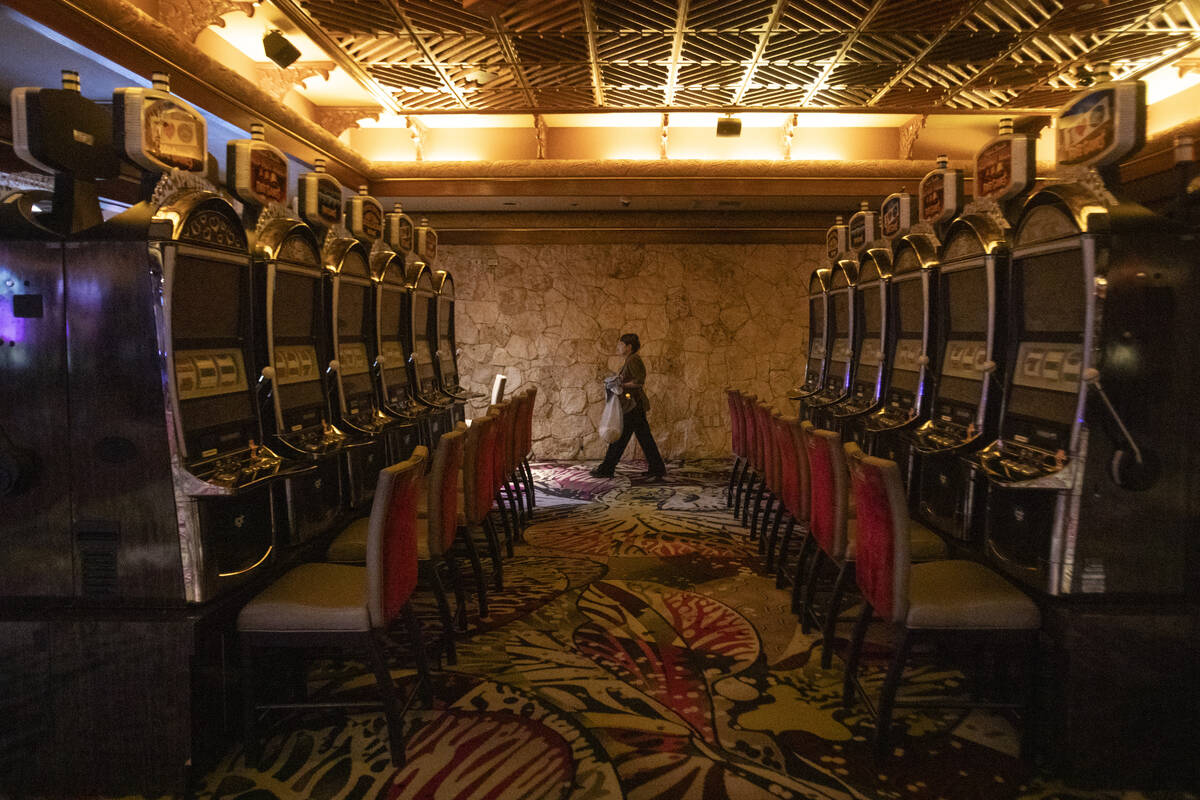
[[347, 606], [947, 597]]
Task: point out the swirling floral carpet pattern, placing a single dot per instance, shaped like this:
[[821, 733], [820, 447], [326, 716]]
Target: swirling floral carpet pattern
[[638, 651]]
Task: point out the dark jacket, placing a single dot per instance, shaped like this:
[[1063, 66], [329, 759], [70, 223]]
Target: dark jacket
[[634, 371]]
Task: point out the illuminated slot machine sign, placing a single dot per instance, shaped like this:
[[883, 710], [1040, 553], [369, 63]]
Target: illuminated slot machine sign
[[818, 334], [447, 352], [421, 339], [940, 195], [874, 275], [1091, 443], [844, 309], [60, 132]]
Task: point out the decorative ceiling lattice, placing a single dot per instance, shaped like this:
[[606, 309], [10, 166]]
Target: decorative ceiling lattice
[[922, 56]]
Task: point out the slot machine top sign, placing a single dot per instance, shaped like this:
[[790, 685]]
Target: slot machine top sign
[[158, 131], [941, 193], [837, 239], [1103, 125], [1004, 167], [895, 215], [320, 197], [61, 131], [398, 230], [364, 217], [863, 228], [256, 172], [425, 246]]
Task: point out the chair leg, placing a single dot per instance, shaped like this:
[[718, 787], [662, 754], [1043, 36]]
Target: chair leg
[[468, 541], [765, 521], [424, 678], [740, 487], [747, 494], [391, 705], [508, 531], [810, 591], [517, 498], [831, 614], [460, 593], [253, 746], [798, 577], [763, 491], [733, 474], [493, 540], [781, 559], [850, 675], [887, 695], [439, 592], [774, 538], [529, 489]]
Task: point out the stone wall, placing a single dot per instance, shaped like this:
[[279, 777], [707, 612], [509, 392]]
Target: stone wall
[[709, 317]]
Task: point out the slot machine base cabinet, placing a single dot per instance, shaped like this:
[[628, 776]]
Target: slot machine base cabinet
[[952, 489], [1117, 695], [116, 702]]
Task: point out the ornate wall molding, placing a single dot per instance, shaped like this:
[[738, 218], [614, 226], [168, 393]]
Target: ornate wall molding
[[339, 120], [277, 81], [909, 133], [189, 17]]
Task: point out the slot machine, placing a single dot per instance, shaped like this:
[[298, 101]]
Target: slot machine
[[295, 352], [394, 387], [845, 326], [351, 298], [446, 357], [910, 374], [818, 335], [874, 279], [1092, 476], [422, 334]]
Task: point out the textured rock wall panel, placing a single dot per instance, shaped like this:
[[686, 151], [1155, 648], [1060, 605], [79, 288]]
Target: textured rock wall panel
[[709, 316]]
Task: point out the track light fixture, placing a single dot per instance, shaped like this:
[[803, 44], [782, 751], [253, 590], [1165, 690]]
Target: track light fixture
[[729, 125], [279, 49]]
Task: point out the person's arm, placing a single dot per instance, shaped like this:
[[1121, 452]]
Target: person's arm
[[635, 373]]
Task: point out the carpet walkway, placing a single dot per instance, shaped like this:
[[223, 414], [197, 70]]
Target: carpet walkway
[[639, 651]]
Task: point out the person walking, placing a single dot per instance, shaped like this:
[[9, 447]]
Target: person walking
[[634, 405]]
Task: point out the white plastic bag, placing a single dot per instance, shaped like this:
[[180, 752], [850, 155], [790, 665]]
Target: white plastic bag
[[610, 420]]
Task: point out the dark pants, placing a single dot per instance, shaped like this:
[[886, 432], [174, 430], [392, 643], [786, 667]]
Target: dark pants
[[634, 423]]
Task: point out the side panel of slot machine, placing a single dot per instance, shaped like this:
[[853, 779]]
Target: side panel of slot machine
[[35, 541], [422, 335], [846, 331], [818, 335], [447, 355]]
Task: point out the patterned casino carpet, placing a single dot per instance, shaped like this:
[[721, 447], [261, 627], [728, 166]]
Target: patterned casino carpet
[[638, 651]]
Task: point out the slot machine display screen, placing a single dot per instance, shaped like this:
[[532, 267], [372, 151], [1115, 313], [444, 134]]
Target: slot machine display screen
[[294, 304], [841, 315], [910, 301], [207, 299], [390, 309], [352, 301], [443, 318], [421, 327], [1052, 293], [816, 316], [967, 298], [872, 312]]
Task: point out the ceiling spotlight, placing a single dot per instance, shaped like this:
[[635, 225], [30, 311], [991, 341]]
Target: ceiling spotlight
[[279, 49], [729, 125]]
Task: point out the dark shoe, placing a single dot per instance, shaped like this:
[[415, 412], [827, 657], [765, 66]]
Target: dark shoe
[[651, 477], [599, 473]]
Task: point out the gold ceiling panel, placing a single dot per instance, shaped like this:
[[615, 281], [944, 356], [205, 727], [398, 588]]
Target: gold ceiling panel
[[923, 56]]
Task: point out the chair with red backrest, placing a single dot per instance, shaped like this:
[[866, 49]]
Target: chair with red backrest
[[516, 456], [509, 514], [736, 446], [770, 465], [796, 431], [347, 606], [525, 448], [478, 491], [959, 598], [788, 481], [752, 474], [834, 529]]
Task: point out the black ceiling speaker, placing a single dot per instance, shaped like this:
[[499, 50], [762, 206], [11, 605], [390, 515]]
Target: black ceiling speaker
[[279, 49], [729, 126]]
